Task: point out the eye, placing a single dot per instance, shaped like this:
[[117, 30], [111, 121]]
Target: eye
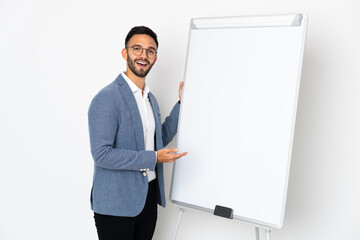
[[136, 48], [151, 51]]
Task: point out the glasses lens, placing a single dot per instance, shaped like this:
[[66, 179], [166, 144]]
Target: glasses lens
[[137, 51], [150, 53]]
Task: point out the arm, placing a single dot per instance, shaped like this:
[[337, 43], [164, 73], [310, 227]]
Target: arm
[[103, 119], [169, 129]]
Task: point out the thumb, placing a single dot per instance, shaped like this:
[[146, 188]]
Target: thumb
[[173, 150]]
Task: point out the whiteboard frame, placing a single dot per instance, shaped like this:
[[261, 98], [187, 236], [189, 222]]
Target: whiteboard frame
[[285, 20]]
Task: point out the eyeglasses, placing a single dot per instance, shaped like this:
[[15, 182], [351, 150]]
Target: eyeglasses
[[138, 50]]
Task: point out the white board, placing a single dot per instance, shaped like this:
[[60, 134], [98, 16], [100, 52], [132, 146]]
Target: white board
[[237, 115]]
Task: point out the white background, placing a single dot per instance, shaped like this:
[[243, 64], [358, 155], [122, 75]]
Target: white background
[[56, 55]]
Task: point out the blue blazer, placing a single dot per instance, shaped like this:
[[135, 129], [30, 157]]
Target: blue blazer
[[120, 181]]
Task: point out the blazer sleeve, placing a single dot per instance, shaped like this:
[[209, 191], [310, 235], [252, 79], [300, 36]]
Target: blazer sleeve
[[103, 124], [169, 127]]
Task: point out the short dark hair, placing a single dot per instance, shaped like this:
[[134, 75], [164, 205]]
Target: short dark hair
[[141, 30]]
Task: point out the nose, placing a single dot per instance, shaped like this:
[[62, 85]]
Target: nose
[[143, 53]]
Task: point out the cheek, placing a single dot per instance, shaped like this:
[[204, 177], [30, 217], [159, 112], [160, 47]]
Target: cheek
[[130, 59]]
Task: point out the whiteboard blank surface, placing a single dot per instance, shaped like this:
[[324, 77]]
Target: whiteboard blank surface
[[237, 118]]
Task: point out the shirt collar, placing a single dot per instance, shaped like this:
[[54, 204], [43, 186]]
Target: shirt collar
[[133, 86]]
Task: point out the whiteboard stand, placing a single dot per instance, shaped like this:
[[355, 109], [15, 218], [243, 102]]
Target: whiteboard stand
[[257, 233], [181, 211], [267, 231]]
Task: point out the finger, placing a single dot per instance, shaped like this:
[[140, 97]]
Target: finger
[[168, 150], [176, 156], [180, 89], [181, 154], [172, 150]]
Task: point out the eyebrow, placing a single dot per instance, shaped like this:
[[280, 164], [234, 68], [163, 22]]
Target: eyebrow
[[138, 45]]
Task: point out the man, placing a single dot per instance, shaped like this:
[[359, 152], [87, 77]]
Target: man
[[127, 140]]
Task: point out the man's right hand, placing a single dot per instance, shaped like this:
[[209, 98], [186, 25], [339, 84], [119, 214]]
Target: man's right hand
[[168, 155]]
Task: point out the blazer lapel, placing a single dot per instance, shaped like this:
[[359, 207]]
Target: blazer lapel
[[133, 108]]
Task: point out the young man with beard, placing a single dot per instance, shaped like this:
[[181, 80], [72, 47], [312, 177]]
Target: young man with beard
[[127, 144]]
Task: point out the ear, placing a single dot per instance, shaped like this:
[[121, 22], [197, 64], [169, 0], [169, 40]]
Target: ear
[[124, 53]]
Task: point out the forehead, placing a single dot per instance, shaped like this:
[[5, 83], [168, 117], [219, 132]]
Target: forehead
[[143, 40]]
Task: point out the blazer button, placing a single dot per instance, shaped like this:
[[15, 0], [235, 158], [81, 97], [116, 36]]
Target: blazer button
[[144, 173]]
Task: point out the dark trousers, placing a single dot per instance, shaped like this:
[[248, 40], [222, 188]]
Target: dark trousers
[[141, 227]]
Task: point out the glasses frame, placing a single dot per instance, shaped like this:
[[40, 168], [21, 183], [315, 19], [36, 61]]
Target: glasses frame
[[142, 50]]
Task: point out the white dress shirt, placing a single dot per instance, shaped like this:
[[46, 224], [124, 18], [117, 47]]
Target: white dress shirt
[[147, 117]]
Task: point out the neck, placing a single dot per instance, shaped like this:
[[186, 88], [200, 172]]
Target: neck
[[139, 81]]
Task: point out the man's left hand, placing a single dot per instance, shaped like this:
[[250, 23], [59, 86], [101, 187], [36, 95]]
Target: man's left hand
[[180, 89]]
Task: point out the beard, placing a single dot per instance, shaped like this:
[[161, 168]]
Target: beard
[[141, 72]]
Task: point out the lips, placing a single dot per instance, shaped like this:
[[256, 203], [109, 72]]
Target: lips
[[142, 63]]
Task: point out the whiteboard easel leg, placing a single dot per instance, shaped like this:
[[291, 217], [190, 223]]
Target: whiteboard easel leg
[[181, 211], [257, 233], [268, 233]]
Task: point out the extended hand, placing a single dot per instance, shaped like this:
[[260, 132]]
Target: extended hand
[[168, 155]]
